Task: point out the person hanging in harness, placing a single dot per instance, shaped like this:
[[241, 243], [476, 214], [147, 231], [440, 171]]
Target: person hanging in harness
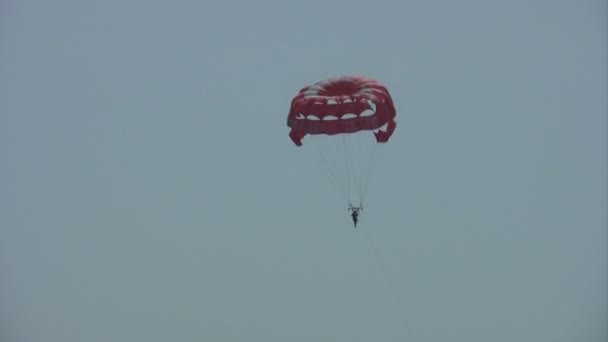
[[355, 213]]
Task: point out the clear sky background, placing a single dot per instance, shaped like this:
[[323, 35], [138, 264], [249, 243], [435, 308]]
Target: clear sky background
[[149, 190]]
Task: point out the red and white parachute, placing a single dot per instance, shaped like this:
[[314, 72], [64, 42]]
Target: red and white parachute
[[339, 113]]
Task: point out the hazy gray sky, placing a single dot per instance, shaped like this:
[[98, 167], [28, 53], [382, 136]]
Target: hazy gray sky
[[149, 190]]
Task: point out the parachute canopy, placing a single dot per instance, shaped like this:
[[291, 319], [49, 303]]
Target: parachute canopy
[[342, 105], [339, 113]]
